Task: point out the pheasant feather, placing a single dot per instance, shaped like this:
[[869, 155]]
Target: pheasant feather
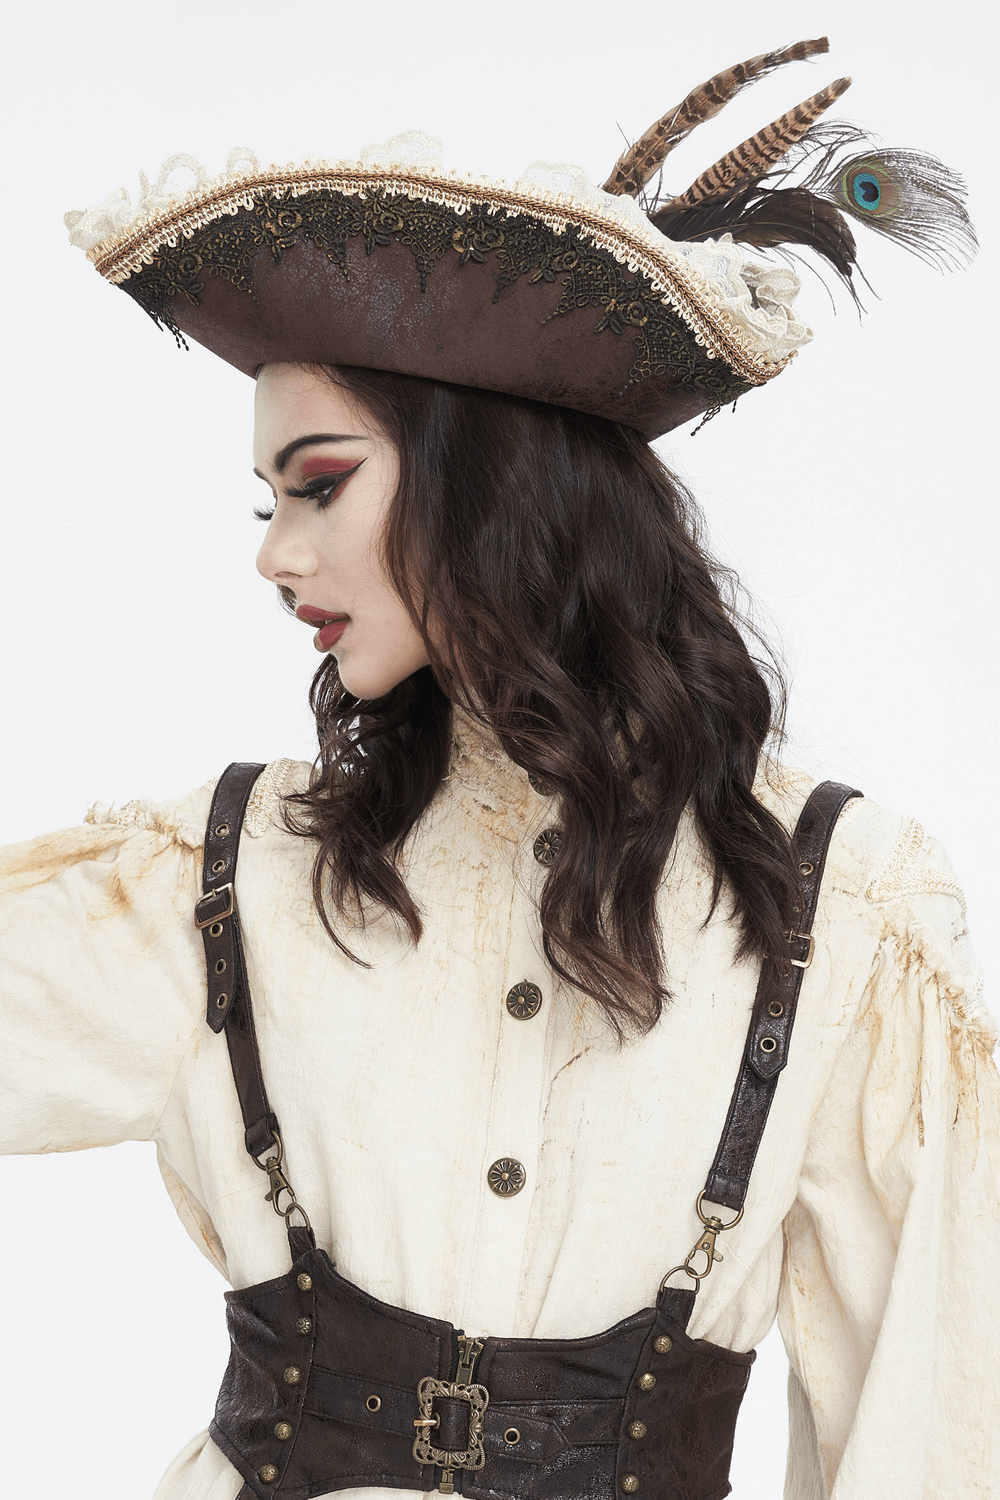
[[643, 160], [754, 158]]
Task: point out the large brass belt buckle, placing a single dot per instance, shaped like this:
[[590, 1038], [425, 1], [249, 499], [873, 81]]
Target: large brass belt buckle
[[448, 1459]]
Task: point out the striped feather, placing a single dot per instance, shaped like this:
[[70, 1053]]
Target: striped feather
[[639, 162], [755, 157]]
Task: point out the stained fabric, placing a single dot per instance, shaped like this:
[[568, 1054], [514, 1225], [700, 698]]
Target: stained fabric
[[877, 1177]]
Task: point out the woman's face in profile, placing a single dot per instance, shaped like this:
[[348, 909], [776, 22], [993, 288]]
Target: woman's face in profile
[[333, 474]]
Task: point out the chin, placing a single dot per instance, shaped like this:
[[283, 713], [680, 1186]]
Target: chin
[[369, 681]]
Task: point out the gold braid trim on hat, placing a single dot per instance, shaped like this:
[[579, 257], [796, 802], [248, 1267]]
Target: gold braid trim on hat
[[648, 252]]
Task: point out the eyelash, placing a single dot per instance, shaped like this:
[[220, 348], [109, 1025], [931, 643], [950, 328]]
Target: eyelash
[[320, 486]]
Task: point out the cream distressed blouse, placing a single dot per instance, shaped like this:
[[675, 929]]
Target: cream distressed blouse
[[871, 1228]]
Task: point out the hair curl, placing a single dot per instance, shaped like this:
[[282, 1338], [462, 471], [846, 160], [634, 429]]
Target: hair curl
[[587, 627]]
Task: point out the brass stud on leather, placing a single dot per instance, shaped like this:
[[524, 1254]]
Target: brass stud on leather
[[506, 1177], [303, 1325], [637, 1429], [304, 1282], [524, 1000], [647, 1381], [283, 1431], [292, 1375], [663, 1344], [546, 846], [269, 1473], [630, 1483]]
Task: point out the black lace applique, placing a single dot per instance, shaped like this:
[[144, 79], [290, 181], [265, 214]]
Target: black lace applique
[[519, 245]]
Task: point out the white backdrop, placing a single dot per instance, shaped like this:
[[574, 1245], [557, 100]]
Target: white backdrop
[[144, 653]]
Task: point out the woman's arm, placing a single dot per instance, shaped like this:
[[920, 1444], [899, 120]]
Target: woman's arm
[[890, 1302], [101, 976]]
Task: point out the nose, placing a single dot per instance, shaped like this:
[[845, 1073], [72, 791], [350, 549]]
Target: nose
[[286, 554]]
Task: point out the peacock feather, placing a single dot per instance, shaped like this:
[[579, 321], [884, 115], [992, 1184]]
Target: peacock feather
[[801, 180]]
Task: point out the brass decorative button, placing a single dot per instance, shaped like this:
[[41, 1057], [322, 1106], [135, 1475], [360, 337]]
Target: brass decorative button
[[303, 1325], [547, 844], [543, 788], [283, 1431], [637, 1429], [647, 1381], [304, 1282], [524, 1000], [629, 1484], [269, 1473], [293, 1375], [506, 1177], [663, 1344]]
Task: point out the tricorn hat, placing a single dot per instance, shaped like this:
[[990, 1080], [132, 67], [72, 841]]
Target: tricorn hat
[[638, 307]]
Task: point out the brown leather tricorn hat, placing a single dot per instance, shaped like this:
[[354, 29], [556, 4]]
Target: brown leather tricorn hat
[[546, 287], [507, 287]]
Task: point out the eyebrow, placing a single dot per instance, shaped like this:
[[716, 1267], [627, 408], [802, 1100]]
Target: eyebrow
[[284, 454]]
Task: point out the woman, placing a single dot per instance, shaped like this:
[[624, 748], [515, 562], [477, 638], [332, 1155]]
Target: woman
[[511, 936]]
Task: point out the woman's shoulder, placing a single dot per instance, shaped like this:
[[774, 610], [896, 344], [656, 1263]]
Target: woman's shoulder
[[885, 871], [874, 852], [184, 818]]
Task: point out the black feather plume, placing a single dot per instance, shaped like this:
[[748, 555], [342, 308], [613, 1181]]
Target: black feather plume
[[909, 196]]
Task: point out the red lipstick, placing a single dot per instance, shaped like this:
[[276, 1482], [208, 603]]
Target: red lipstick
[[332, 626]]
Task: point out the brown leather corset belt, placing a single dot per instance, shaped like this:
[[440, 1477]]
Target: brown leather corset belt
[[328, 1389]]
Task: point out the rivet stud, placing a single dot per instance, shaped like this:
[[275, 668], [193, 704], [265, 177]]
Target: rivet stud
[[283, 1431], [630, 1483], [304, 1282], [637, 1429], [663, 1344], [303, 1325], [269, 1473], [647, 1381], [292, 1375]]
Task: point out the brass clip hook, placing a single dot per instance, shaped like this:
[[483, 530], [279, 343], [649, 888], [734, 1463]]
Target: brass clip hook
[[705, 1245], [279, 1183]]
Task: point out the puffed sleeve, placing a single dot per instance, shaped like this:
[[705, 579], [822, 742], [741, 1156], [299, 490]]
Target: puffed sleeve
[[101, 976], [890, 1300]]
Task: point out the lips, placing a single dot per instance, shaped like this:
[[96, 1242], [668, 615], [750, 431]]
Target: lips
[[332, 626]]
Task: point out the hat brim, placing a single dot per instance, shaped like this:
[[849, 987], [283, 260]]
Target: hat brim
[[452, 281]]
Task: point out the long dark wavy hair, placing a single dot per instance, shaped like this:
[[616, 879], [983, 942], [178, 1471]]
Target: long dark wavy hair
[[588, 628]]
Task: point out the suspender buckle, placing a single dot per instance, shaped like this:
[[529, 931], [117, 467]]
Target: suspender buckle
[[214, 906], [810, 942]]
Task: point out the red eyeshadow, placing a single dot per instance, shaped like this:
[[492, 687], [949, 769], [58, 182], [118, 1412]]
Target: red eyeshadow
[[313, 466]]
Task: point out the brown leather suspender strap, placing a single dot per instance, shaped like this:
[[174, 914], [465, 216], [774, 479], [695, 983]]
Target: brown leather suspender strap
[[766, 1051], [228, 991]]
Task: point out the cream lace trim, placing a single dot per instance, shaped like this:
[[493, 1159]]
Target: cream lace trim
[[265, 797], [738, 311], [902, 875]]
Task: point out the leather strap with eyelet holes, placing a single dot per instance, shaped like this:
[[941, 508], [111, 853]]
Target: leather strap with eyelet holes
[[229, 1004], [773, 1014]]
